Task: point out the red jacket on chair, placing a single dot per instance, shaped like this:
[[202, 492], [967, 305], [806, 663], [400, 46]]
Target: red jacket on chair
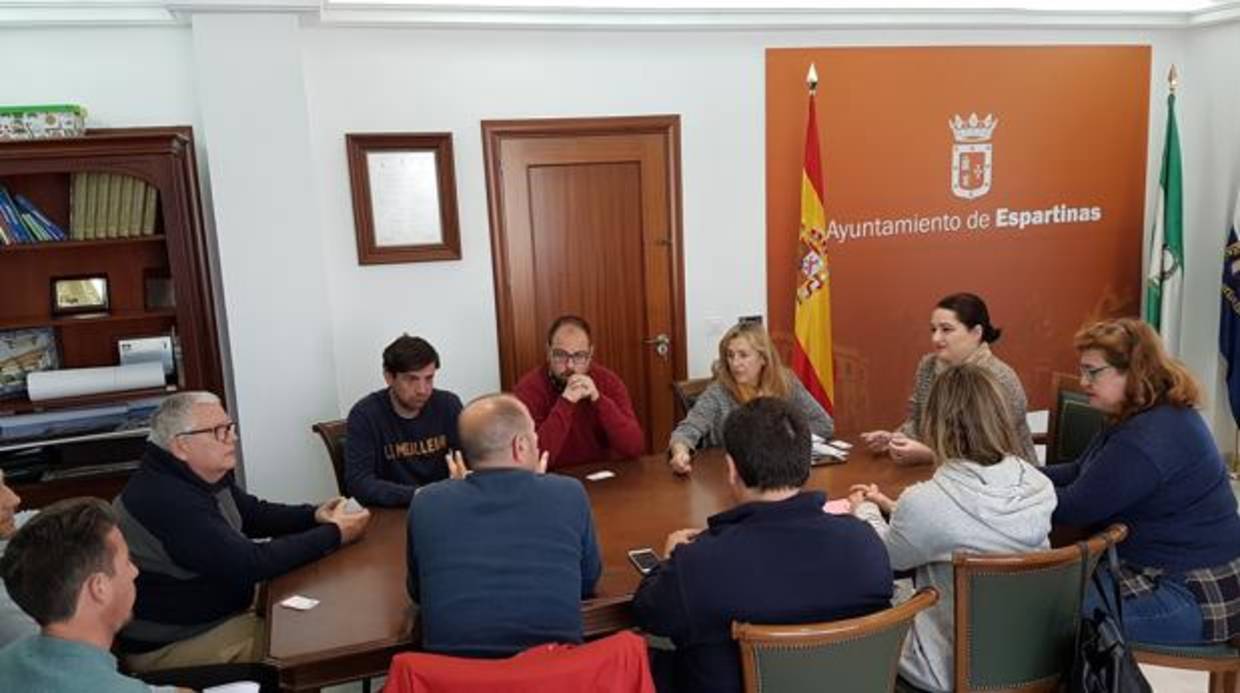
[[615, 664]]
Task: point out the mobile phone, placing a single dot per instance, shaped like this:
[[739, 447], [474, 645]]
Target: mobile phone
[[644, 560]]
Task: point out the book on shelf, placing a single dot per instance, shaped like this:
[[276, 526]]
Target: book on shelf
[[77, 206], [150, 204], [53, 229], [94, 200], [125, 203], [12, 220], [137, 203], [113, 214]]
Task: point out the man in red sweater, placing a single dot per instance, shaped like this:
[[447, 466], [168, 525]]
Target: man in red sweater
[[581, 409]]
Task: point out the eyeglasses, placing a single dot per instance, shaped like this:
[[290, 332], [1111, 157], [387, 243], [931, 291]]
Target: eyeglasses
[[221, 432], [1090, 374], [579, 358]]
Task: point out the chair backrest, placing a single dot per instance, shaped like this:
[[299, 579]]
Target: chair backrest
[[332, 433], [1017, 615], [1073, 422], [857, 654], [615, 664], [687, 392]]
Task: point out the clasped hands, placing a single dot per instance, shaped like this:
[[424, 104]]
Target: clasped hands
[[860, 493], [903, 449], [580, 386]]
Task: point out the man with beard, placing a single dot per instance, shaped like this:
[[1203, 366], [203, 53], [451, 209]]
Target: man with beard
[[582, 409], [398, 437], [69, 568]]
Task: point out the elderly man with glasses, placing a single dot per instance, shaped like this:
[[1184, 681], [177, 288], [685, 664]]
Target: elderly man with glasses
[[582, 409], [192, 532]]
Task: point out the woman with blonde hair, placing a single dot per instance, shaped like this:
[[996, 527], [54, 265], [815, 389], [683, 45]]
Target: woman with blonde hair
[[748, 367], [983, 498], [1155, 468]]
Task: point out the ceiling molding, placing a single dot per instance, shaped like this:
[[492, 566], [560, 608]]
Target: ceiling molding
[[111, 13]]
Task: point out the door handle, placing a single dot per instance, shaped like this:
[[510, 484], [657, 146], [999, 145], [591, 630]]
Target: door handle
[[662, 344]]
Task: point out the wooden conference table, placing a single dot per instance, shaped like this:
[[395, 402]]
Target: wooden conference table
[[364, 614]]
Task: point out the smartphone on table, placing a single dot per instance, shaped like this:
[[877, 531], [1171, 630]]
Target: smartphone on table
[[644, 560]]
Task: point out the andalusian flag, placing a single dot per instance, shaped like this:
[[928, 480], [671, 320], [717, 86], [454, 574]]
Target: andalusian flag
[[811, 355], [1165, 278]]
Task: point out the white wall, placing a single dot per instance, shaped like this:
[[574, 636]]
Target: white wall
[[281, 197], [1210, 128], [362, 80]]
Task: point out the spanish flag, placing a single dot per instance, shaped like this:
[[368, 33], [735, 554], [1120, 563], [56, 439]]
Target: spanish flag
[[811, 354]]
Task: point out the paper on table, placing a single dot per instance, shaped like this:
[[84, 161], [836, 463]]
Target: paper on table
[[71, 382], [235, 687], [839, 506]]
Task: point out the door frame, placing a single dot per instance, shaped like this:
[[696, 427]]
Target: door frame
[[494, 132]]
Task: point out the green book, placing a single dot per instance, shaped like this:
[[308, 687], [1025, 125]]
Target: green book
[[112, 222], [149, 206], [90, 217], [124, 217], [77, 207], [137, 203]]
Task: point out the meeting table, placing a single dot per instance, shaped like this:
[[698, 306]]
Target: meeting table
[[364, 615]]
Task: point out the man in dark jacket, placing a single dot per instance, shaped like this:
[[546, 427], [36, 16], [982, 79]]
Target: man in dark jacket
[[775, 558], [398, 438], [191, 531]]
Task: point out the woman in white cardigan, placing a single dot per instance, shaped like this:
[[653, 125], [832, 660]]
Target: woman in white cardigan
[[983, 498]]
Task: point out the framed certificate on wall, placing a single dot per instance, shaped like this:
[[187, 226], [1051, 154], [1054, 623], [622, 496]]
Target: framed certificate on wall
[[404, 197]]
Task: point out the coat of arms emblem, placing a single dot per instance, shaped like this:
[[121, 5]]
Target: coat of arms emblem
[[971, 155]]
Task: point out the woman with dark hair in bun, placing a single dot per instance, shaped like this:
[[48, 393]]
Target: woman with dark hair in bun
[[960, 332]]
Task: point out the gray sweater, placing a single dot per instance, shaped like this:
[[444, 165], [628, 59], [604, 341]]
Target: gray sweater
[[1013, 395], [703, 426], [1003, 508]]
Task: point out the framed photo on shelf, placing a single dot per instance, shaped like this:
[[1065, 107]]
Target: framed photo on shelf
[[23, 352], [157, 289], [80, 294], [404, 197]]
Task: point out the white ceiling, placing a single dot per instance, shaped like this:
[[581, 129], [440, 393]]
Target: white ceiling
[[647, 14]]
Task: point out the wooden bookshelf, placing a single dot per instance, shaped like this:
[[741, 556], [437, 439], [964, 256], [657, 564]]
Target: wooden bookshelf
[[42, 171]]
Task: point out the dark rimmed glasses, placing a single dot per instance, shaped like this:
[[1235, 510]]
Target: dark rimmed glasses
[[221, 432]]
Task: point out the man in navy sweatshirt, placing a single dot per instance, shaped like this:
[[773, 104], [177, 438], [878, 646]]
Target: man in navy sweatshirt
[[398, 438], [775, 558], [191, 531], [499, 560]]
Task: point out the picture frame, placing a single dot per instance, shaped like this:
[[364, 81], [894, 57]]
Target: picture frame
[[23, 352], [404, 197], [80, 294], [158, 291]]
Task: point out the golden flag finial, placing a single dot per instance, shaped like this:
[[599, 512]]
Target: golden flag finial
[[811, 78], [1173, 78]]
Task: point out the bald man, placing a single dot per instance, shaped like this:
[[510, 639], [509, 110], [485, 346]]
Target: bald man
[[499, 560]]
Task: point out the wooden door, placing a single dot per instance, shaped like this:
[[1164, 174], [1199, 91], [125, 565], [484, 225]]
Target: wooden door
[[585, 219]]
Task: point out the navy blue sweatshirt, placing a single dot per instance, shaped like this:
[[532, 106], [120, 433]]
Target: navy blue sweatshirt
[[193, 542], [763, 562], [387, 456], [1160, 473], [499, 561]]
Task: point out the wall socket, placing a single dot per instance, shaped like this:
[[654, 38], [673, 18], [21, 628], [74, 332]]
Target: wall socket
[[744, 319]]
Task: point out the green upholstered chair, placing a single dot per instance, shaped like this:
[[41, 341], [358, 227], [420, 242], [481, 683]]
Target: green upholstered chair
[[1222, 661], [332, 433], [857, 654], [1073, 423], [1016, 615]]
